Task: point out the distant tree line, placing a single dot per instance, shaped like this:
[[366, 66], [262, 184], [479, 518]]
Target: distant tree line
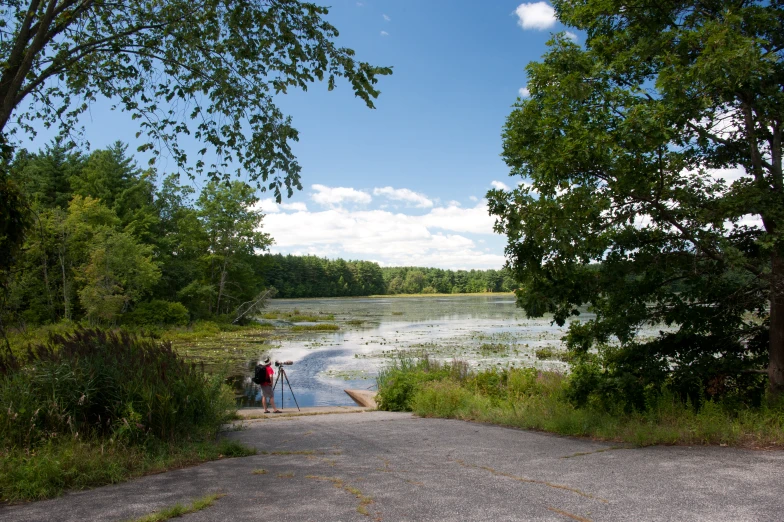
[[312, 276], [418, 280]]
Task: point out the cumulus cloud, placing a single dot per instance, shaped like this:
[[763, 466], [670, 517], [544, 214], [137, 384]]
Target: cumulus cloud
[[524, 92], [537, 15], [335, 196], [387, 18], [297, 207], [474, 220], [266, 205], [570, 35], [439, 238], [384, 33], [404, 194], [500, 185]]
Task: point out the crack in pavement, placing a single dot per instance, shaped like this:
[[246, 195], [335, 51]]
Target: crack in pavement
[[569, 515], [532, 481]]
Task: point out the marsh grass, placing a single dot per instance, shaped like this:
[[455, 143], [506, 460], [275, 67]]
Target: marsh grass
[[526, 398], [321, 327], [493, 348], [548, 353], [297, 317]]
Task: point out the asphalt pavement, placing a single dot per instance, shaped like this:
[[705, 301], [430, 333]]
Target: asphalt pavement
[[370, 465]]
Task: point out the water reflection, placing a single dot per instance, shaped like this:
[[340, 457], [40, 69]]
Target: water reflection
[[306, 383], [485, 331]]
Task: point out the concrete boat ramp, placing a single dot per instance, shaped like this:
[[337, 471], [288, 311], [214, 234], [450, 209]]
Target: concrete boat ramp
[[361, 465]]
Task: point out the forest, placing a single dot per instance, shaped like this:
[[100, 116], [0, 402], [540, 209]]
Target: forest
[[111, 243]]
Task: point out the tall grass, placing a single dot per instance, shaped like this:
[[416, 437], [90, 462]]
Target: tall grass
[[116, 400], [527, 398]]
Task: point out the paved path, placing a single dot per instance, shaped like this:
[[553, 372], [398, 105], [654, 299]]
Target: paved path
[[394, 466]]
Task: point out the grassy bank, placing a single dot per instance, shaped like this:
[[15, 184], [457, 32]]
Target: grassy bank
[[95, 407], [527, 398], [47, 470]]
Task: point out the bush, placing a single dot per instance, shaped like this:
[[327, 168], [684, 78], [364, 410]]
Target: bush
[[158, 312], [112, 385], [532, 399], [695, 367], [399, 382], [440, 399]]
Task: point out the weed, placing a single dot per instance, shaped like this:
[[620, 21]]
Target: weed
[[364, 500], [178, 510]]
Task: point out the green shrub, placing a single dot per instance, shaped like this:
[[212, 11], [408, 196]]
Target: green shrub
[[440, 399], [695, 367], [112, 385], [491, 383], [401, 380], [528, 398], [158, 312]]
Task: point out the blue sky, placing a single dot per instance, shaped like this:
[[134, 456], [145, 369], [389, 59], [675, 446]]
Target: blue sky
[[403, 184]]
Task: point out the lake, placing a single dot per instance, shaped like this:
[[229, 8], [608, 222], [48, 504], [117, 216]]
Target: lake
[[484, 331]]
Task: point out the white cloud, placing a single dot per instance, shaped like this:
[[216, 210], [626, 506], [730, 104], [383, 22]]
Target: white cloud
[[570, 35], [297, 207], [524, 92], [404, 194], [384, 33], [538, 15], [335, 196], [439, 238], [500, 185], [474, 220], [749, 220], [527, 185], [267, 205], [473, 198], [387, 18], [728, 175]]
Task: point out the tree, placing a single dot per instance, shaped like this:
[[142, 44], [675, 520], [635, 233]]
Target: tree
[[205, 68], [120, 271], [624, 205], [232, 227]]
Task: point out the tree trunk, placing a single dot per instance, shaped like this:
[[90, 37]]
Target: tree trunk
[[66, 307], [776, 349]]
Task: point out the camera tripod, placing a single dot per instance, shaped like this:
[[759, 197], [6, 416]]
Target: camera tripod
[[282, 372]]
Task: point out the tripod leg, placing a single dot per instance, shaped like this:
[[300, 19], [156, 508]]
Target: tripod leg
[[292, 391], [281, 389]]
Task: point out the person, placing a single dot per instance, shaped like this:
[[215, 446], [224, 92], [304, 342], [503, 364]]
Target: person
[[267, 394]]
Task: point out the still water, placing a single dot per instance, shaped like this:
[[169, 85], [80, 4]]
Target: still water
[[484, 331]]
